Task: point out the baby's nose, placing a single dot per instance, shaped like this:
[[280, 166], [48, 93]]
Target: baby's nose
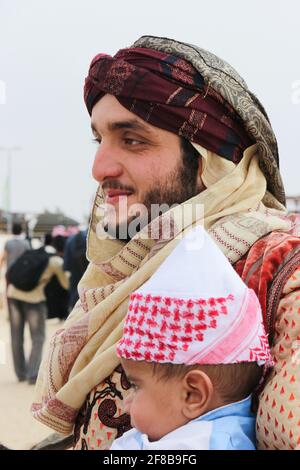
[[127, 403]]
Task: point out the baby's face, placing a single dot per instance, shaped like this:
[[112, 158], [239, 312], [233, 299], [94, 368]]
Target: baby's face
[[154, 405]]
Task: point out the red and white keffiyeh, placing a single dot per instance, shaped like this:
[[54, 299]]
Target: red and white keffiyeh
[[195, 310]]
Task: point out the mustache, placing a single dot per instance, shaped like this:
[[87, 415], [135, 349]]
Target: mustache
[[115, 184]]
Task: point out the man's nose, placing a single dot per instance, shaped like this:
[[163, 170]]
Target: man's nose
[[106, 165]]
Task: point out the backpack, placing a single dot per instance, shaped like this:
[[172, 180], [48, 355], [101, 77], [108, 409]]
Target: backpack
[[26, 271]]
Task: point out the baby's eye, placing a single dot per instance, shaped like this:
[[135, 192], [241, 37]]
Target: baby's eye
[[134, 387]]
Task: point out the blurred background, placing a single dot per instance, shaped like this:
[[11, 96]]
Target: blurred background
[[46, 149]]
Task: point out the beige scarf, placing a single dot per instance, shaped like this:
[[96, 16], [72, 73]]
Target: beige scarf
[[237, 212]]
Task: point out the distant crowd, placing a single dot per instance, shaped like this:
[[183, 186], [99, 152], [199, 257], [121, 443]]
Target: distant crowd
[[40, 283]]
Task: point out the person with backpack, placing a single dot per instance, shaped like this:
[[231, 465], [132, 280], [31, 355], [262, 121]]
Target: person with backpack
[[27, 279], [14, 247], [75, 262]]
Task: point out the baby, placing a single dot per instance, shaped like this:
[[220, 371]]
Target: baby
[[193, 348]]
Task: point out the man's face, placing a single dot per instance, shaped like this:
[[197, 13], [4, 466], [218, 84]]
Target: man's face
[[136, 163]]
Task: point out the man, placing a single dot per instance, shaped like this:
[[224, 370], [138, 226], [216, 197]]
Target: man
[[48, 244], [14, 247], [174, 124], [57, 297], [75, 262]]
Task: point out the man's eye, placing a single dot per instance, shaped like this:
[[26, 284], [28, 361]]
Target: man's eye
[[96, 140], [133, 142]]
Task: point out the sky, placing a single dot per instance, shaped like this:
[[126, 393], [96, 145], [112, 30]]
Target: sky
[[45, 51]]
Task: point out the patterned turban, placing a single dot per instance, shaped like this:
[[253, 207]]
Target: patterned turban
[[161, 81], [168, 93]]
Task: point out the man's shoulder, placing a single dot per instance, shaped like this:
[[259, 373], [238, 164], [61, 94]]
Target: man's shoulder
[[9, 243], [14, 242], [273, 247]]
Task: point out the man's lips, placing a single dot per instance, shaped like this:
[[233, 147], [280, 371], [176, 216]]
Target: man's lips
[[113, 195]]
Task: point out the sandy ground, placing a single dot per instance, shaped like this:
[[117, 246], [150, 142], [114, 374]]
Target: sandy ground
[[18, 429]]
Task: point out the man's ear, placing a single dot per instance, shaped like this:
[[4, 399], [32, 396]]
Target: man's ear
[[197, 393]]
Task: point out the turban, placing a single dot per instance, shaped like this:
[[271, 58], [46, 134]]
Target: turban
[[169, 93], [191, 92]]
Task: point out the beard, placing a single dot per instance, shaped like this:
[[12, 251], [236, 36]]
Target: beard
[[177, 187]]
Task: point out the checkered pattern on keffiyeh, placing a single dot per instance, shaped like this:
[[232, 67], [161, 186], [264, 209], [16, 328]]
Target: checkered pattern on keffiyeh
[[157, 327], [180, 328]]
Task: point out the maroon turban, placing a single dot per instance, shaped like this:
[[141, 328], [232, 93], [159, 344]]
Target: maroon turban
[[168, 92]]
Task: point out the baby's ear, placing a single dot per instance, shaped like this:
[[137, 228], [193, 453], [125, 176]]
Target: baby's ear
[[197, 393]]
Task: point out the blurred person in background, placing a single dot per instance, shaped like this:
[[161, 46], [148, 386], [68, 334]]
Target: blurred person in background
[[29, 306], [14, 247], [49, 248], [75, 262], [57, 296]]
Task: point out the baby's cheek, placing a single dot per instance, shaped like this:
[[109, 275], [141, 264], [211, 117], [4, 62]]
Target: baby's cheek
[[137, 413]]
